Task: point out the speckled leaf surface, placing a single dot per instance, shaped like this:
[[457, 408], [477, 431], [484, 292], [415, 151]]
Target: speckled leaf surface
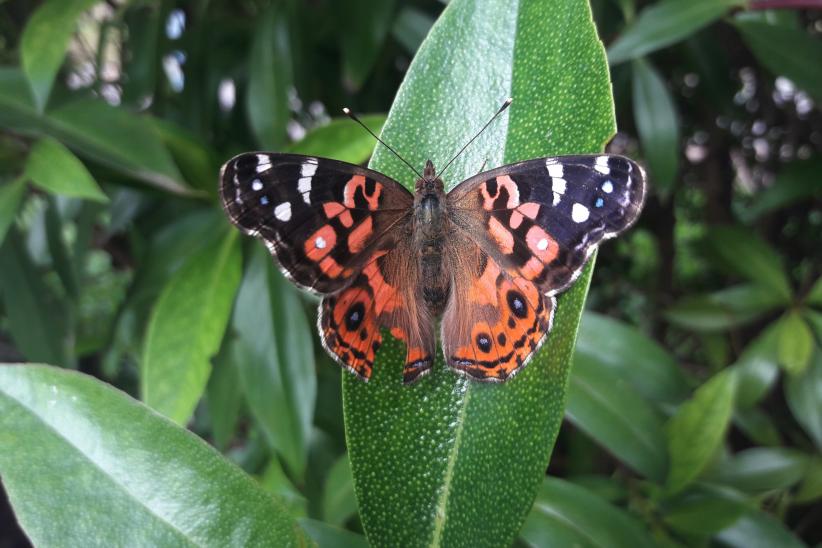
[[448, 461]]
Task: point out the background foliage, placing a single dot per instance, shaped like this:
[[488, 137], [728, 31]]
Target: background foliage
[[694, 412]]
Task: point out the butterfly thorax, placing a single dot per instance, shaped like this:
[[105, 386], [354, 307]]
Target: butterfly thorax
[[430, 228]]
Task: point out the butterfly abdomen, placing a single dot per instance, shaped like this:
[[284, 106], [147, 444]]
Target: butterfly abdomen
[[430, 221]]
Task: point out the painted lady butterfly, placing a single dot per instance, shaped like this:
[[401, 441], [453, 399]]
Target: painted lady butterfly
[[487, 258]]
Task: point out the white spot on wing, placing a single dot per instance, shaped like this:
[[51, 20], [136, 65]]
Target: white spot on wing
[[602, 165], [257, 185], [308, 169], [607, 187], [579, 213], [263, 163], [319, 243], [304, 186], [283, 211], [542, 245], [558, 185], [554, 169]]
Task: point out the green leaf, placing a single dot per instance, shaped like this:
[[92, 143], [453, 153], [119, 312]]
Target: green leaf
[[339, 502], [44, 42], [814, 296], [186, 328], [795, 346], [333, 537], [785, 51], [724, 309], [125, 142], [53, 167], [697, 429], [341, 139], [609, 410], [803, 393], [224, 395], [410, 28], [565, 514], [275, 480], [419, 452], [657, 124], [36, 319], [11, 196], [761, 469], [758, 530], [795, 182], [367, 24], [757, 368], [704, 509], [664, 23], [269, 77], [91, 465], [810, 489], [747, 255], [633, 356], [274, 352]]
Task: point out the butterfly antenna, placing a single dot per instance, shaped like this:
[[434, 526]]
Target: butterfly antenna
[[505, 105], [353, 116]]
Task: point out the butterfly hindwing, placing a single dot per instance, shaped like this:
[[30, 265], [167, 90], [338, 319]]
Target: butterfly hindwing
[[543, 218], [495, 320], [321, 218]]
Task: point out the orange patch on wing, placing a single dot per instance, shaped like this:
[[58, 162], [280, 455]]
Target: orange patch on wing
[[529, 209], [320, 244], [515, 220], [357, 182], [386, 296], [504, 181], [501, 235], [484, 289], [532, 268], [358, 236], [330, 267], [541, 244], [332, 209]]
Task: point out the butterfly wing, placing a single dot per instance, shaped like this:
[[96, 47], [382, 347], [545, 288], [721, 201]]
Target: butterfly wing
[[538, 222], [338, 230]]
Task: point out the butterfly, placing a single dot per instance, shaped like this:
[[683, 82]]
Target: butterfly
[[485, 259]]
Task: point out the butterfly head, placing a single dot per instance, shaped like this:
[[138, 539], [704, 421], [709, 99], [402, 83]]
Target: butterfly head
[[429, 183]]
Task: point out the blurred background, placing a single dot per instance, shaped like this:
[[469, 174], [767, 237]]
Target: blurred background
[[719, 280]]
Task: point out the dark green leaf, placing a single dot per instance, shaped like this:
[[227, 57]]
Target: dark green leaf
[[567, 515], [92, 466], [367, 24], [757, 425], [421, 451], [276, 481], [186, 328], [704, 509], [61, 259], [804, 396], [123, 141], [814, 296], [275, 357], [760, 469], [11, 196], [747, 255], [269, 77], [657, 124], [757, 368], [795, 182], [795, 346], [631, 355], [724, 309], [785, 51], [44, 42], [332, 537], [53, 167], [224, 395], [339, 502], [341, 139], [664, 23], [36, 319], [758, 530], [193, 156], [609, 410], [697, 429], [410, 28], [810, 489]]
